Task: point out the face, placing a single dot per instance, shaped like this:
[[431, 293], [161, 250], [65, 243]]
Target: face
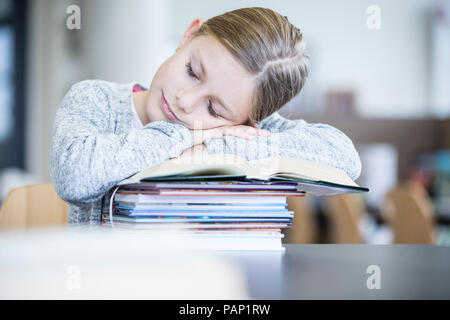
[[201, 85]]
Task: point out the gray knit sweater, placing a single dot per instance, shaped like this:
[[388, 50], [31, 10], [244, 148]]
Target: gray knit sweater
[[94, 145]]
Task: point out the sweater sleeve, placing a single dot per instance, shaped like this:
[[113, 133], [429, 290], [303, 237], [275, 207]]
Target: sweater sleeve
[[86, 159], [320, 143]]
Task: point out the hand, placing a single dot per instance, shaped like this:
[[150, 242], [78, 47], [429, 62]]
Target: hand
[[241, 131], [194, 149]]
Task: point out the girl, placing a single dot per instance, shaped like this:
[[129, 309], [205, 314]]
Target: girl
[[227, 80]]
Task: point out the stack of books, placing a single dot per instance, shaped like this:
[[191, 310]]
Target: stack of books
[[224, 214], [220, 201]]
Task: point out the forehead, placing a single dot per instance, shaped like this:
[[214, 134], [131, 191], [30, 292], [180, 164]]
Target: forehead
[[225, 76]]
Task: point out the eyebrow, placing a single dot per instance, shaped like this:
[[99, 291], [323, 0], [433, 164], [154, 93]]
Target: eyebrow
[[199, 57]]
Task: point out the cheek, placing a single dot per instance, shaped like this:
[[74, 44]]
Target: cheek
[[206, 121], [173, 78], [167, 72], [213, 123]]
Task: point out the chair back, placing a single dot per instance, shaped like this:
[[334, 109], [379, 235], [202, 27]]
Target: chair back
[[344, 212], [304, 226], [410, 213], [31, 206]]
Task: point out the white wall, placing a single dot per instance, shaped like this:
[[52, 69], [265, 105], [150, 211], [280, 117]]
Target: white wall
[[440, 62], [48, 76], [119, 41], [124, 41], [387, 67]]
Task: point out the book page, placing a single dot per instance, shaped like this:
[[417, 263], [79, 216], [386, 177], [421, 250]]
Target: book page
[[297, 168], [197, 162]]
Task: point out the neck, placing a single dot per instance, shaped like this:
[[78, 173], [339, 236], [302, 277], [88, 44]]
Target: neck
[[140, 103]]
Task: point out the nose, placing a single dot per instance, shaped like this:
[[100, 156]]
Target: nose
[[187, 99]]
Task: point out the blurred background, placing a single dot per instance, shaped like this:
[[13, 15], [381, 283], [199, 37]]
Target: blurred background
[[380, 72]]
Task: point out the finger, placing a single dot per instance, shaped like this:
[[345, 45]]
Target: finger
[[215, 133], [239, 133], [263, 132], [258, 132]]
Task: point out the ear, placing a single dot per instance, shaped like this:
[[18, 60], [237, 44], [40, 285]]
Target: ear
[[191, 30]]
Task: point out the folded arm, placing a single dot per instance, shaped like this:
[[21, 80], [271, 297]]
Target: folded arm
[[87, 158], [320, 143]]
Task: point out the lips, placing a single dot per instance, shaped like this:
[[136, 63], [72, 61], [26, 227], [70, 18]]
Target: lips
[[166, 109]]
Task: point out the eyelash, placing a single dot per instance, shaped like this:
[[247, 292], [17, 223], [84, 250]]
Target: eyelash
[[191, 73]]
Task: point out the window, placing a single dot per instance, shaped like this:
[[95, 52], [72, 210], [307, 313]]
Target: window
[[12, 80]]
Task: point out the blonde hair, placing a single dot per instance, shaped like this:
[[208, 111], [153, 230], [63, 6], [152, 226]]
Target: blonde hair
[[269, 47]]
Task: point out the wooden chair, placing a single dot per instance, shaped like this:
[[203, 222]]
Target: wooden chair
[[344, 212], [304, 227], [32, 206], [410, 213]]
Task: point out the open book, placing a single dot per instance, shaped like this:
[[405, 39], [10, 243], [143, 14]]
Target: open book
[[199, 165]]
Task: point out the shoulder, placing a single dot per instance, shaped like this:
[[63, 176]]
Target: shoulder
[[99, 93], [268, 121], [277, 123], [97, 88]]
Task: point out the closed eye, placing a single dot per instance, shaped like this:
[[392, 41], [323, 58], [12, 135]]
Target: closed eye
[[192, 74], [212, 111], [190, 71]]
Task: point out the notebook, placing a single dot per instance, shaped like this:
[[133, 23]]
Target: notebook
[[311, 177]]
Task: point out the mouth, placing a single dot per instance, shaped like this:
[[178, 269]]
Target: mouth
[[166, 109]]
